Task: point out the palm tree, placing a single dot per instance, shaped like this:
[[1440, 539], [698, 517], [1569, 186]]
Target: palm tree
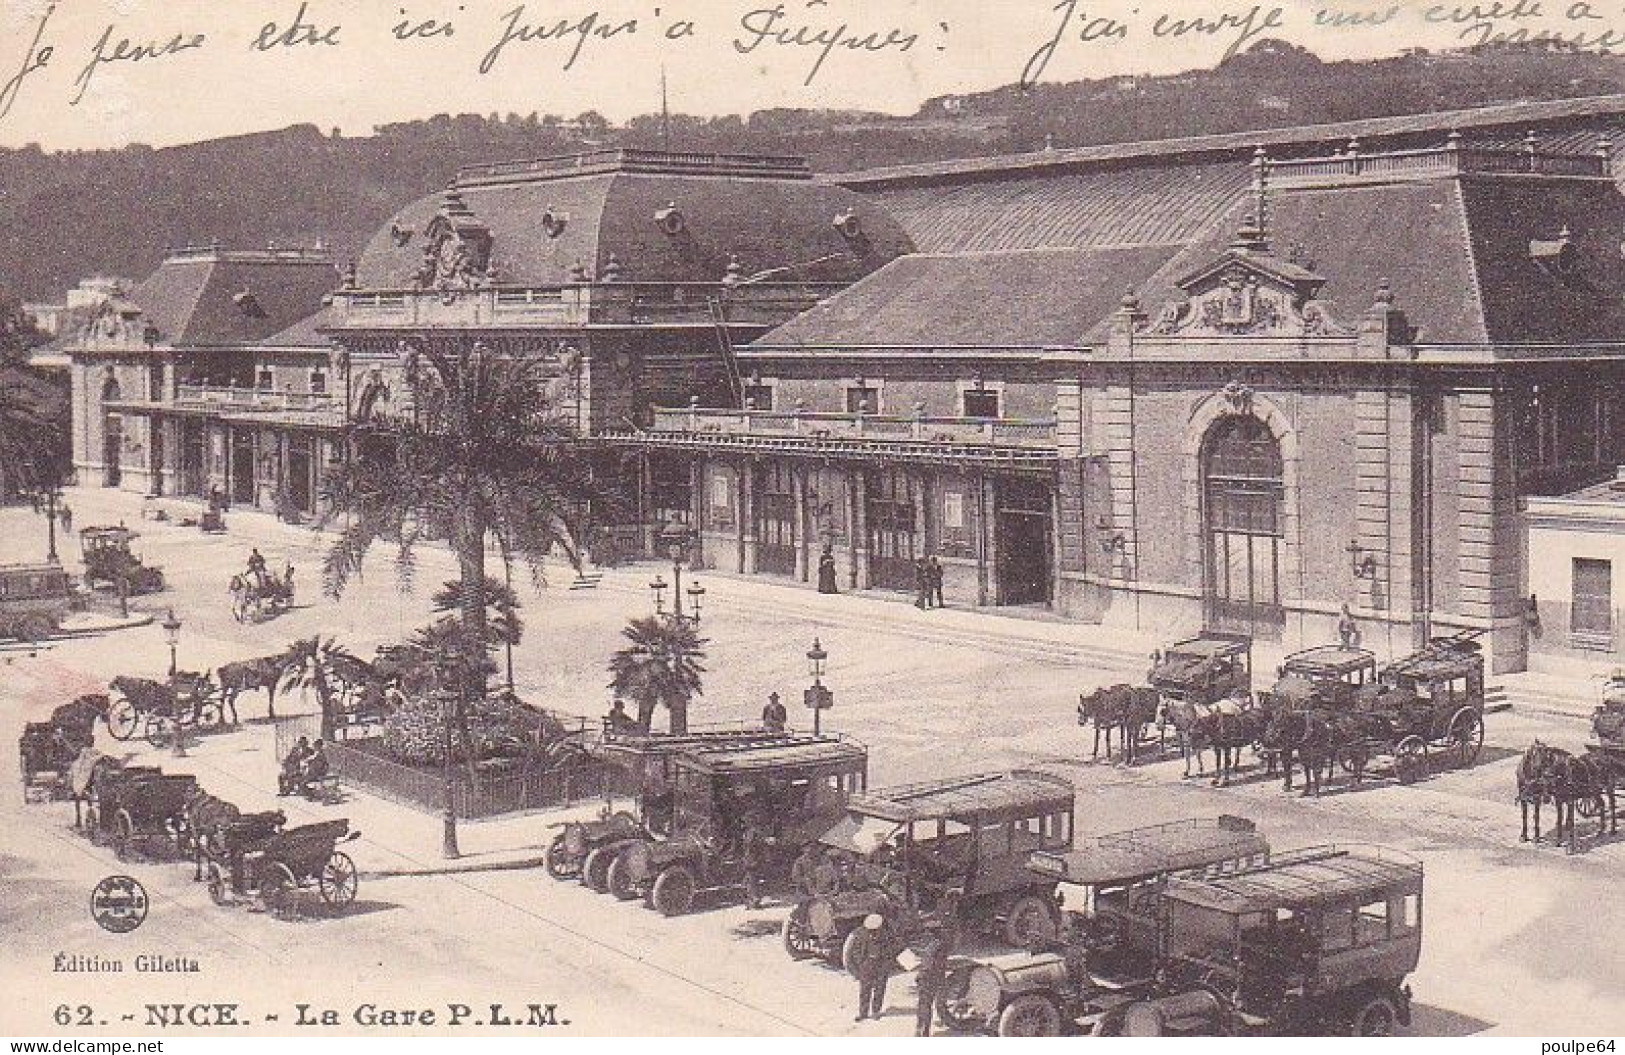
[[484, 457], [321, 664], [500, 603], [659, 668]]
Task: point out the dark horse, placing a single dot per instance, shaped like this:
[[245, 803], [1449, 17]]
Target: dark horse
[[247, 675], [1302, 737], [1226, 727], [1126, 709], [1550, 774], [75, 723]]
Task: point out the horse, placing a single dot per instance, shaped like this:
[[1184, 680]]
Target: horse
[[244, 675], [1194, 724], [75, 722], [204, 815], [1566, 780], [1307, 736], [251, 592], [1126, 709]]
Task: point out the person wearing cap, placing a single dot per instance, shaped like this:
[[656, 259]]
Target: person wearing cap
[[873, 958], [774, 715], [938, 944]]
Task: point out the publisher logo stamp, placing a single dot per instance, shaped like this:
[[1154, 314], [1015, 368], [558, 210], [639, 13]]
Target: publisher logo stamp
[[118, 904]]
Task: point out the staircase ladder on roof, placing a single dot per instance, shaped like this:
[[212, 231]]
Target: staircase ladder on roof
[[730, 362]]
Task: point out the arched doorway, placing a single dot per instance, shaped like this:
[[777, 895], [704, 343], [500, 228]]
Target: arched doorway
[[112, 435], [1243, 526]]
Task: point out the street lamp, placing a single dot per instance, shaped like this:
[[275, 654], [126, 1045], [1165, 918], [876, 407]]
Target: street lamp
[[818, 698], [172, 634], [677, 537]]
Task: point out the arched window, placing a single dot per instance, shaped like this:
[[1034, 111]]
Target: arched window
[[1242, 524]]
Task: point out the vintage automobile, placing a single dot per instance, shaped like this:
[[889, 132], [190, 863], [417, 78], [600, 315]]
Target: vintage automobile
[[1106, 956], [109, 559], [741, 811], [1205, 669], [1313, 942], [1329, 676], [584, 849], [34, 599], [900, 849]]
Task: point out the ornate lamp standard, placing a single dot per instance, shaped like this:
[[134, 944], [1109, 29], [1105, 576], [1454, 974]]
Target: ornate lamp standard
[[817, 697], [677, 537], [172, 634]]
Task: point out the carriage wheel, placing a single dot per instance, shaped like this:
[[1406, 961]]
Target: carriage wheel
[[1466, 737], [122, 719], [159, 730], [1589, 806], [219, 890], [123, 835], [1030, 1015], [337, 881], [211, 714], [1410, 759], [798, 941], [278, 889]]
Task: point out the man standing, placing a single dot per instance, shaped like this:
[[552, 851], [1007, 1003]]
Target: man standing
[[774, 716], [922, 584], [939, 945], [934, 581], [873, 959]]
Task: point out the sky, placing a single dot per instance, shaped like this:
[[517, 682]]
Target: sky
[[79, 74]]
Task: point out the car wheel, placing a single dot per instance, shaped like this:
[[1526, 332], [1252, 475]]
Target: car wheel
[[673, 893], [560, 863], [618, 882], [1377, 1017], [595, 870], [1030, 1015], [1029, 923]]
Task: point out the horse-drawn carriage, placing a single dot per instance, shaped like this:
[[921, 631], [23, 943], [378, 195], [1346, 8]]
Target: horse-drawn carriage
[[109, 560], [157, 709], [1584, 785], [261, 595], [1427, 706], [278, 865], [1204, 669], [134, 807]]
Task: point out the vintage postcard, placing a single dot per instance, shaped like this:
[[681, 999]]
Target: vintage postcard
[[823, 518]]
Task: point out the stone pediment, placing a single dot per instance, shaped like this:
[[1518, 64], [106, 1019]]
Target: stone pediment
[[1247, 292]]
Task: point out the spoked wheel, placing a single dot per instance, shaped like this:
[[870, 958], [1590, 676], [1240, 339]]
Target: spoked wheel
[[1466, 737], [798, 940], [561, 864], [122, 719], [219, 889], [1029, 922], [1589, 806], [673, 893], [1030, 1015], [337, 881], [210, 714], [1410, 759], [952, 997], [595, 870], [278, 889], [123, 835]]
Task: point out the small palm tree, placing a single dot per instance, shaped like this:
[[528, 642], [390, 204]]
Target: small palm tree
[[315, 663], [660, 667], [501, 604]]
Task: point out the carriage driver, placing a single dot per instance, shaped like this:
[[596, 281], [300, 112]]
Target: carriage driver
[[256, 567]]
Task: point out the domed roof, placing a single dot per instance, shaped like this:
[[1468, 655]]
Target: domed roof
[[660, 217]]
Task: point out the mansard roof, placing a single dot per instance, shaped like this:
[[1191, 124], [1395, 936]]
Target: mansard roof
[[211, 297], [662, 217]]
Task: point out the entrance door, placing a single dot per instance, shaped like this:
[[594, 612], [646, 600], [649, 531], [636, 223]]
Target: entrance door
[[893, 531], [242, 468], [112, 446], [1023, 546], [1242, 524], [775, 519], [300, 480], [192, 459]]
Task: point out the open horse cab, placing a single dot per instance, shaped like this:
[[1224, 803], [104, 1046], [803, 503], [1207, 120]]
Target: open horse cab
[[899, 850], [1107, 955], [585, 849], [1315, 942], [1205, 669], [741, 812]]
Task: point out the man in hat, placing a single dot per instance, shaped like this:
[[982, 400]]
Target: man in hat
[[939, 944], [933, 581], [872, 959], [774, 716]]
